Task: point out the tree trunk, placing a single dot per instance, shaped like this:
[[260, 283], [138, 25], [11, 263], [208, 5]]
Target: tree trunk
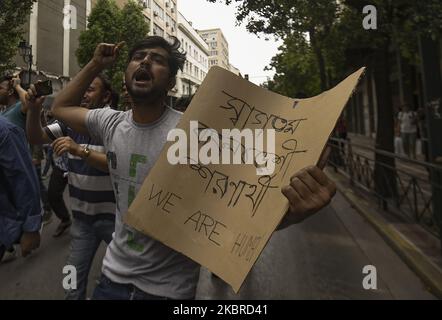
[[385, 167], [370, 102]]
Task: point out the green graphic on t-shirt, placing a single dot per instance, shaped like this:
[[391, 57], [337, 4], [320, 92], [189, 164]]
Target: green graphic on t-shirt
[[134, 160], [132, 244]]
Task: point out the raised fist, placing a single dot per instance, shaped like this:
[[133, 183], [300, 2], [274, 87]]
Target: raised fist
[[106, 54]]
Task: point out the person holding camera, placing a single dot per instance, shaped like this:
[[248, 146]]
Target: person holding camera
[[91, 194], [14, 97]]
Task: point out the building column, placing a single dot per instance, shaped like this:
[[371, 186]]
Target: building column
[[88, 10], [33, 32], [66, 40]]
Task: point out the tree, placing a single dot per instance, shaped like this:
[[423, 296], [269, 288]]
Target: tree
[[13, 15], [133, 29], [296, 67], [292, 18], [107, 23]]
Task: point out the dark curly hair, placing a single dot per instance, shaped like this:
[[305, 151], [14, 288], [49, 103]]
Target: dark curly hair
[[176, 56]]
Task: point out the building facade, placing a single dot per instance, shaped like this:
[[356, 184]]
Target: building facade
[[197, 59], [162, 16], [218, 47], [53, 29]]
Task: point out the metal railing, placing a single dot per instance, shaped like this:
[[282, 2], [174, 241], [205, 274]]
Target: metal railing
[[415, 192]]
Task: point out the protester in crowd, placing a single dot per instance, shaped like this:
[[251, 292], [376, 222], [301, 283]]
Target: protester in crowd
[[136, 266], [14, 96], [91, 195], [48, 155], [57, 183], [20, 209]]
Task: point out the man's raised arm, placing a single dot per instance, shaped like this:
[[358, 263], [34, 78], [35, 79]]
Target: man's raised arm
[[16, 84], [66, 106]]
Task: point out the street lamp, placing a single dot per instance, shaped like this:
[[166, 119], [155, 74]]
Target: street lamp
[[26, 53]]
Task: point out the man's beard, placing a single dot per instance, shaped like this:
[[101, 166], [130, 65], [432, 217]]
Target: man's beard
[[143, 94]]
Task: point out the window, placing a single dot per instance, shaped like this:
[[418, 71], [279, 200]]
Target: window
[[158, 11], [145, 3], [157, 30], [169, 21]]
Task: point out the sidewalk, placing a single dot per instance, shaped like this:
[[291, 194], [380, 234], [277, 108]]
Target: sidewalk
[[370, 142], [420, 250]]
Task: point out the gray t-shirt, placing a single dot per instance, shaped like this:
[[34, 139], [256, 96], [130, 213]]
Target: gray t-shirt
[[132, 149]]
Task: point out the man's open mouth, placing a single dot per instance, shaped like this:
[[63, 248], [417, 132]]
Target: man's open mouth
[[142, 75]]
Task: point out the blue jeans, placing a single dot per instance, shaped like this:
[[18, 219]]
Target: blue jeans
[[86, 238], [109, 290]]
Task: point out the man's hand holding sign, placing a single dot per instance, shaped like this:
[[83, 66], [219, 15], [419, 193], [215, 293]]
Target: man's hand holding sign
[[309, 191]]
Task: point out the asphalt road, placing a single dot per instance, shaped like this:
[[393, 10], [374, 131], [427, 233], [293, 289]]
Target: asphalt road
[[322, 258]]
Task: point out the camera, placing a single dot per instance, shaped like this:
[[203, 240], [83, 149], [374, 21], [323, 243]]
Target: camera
[[43, 88]]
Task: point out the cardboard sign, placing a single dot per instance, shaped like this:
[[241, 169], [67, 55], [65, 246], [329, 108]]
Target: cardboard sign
[[222, 215]]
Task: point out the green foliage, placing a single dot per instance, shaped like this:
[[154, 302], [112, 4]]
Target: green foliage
[[110, 24], [133, 26], [333, 31], [294, 67], [296, 19], [13, 15]]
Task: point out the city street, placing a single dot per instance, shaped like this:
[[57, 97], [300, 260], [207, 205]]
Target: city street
[[321, 258], [103, 83]]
